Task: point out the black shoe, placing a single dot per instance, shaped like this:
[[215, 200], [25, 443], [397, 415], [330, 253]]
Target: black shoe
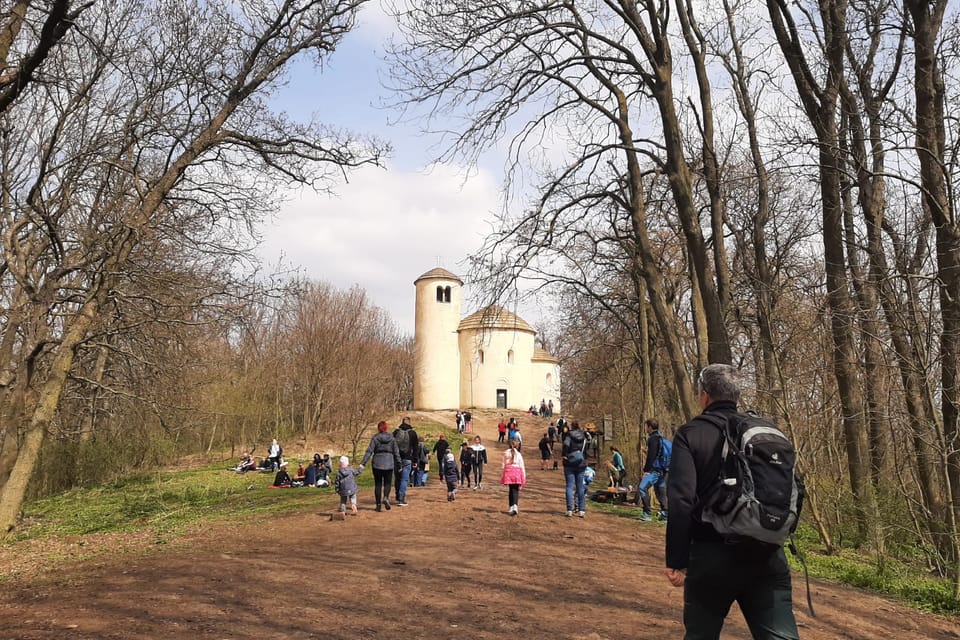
[[386, 505], [378, 508]]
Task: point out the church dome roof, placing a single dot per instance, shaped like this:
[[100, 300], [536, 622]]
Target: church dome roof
[[495, 317], [541, 355], [438, 273]]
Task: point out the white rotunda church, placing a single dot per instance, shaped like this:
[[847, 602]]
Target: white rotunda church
[[487, 360]]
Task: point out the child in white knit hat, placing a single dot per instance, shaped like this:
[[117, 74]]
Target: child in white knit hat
[[346, 484]]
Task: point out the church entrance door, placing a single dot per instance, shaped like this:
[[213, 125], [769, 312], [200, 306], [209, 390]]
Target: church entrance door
[[501, 398]]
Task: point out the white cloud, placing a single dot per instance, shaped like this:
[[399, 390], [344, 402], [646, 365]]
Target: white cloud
[[384, 229]]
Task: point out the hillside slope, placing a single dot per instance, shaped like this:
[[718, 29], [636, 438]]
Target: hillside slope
[[463, 570]]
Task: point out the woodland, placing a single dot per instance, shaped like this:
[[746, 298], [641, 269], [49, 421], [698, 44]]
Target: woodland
[[761, 183]]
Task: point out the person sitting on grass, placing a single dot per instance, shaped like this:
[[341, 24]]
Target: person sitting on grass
[[283, 479], [247, 463]]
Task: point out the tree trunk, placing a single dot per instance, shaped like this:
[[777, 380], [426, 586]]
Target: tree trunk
[[929, 90], [820, 105], [15, 489]]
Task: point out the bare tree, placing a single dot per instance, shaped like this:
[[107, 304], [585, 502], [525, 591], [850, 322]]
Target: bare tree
[[136, 139]]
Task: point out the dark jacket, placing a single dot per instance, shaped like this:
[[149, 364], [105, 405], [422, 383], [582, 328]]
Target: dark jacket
[[441, 448], [413, 452], [449, 470], [653, 450], [424, 456], [383, 449], [467, 457], [575, 441], [694, 474]]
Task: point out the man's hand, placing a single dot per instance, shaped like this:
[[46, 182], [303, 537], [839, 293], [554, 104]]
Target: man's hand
[[676, 576]]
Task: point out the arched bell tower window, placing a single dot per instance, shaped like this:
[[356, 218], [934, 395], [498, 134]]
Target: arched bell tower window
[[480, 356], [443, 294], [510, 356]]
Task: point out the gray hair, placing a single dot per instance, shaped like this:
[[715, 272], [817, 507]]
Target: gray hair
[[719, 381]]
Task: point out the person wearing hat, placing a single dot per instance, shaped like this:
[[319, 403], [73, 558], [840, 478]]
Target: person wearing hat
[[282, 478]]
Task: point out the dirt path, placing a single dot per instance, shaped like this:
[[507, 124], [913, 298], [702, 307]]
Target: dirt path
[[434, 570]]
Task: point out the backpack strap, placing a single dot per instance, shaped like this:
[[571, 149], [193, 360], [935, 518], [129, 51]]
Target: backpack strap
[[722, 423]]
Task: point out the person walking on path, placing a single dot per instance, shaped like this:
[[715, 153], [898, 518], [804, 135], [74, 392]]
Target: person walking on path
[[466, 463], [422, 472], [501, 431], [450, 473], [546, 451], [440, 450], [574, 464], [386, 458], [346, 484], [714, 572], [654, 472], [514, 476], [479, 461], [512, 429], [408, 442]]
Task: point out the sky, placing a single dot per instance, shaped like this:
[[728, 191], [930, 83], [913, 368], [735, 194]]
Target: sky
[[386, 226]]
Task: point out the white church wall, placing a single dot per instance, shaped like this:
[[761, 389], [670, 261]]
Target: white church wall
[[546, 383], [505, 364]]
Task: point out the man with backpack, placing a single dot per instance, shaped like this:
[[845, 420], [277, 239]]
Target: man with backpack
[[409, 444], [574, 454], [718, 561], [655, 468]]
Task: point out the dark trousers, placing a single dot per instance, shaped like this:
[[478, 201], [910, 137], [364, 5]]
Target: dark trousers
[[381, 484], [720, 574], [513, 494]]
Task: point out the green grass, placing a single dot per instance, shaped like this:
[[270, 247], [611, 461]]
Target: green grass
[[921, 591], [164, 502], [168, 502], [900, 580]]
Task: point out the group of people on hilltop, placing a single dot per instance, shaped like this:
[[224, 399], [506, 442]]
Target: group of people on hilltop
[[464, 422], [546, 408]]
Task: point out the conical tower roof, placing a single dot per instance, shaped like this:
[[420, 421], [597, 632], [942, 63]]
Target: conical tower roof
[[438, 273]]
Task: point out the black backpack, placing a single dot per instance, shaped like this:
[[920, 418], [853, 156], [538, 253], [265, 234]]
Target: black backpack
[[402, 437], [759, 496]]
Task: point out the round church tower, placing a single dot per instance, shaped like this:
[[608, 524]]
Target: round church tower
[[436, 353]]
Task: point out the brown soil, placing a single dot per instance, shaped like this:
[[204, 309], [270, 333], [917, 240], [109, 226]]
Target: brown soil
[[463, 570]]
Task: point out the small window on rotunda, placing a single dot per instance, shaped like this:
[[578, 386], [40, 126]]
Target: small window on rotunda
[[480, 356], [446, 294], [439, 294], [549, 379], [510, 356]]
